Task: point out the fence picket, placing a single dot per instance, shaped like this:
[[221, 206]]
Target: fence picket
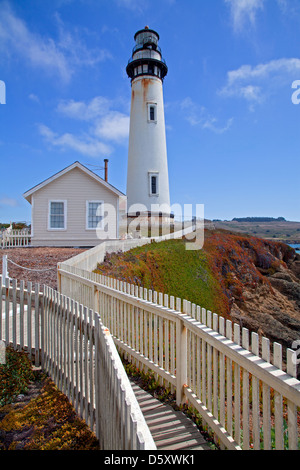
[[277, 353], [14, 313], [7, 307], [37, 324], [29, 318], [215, 372], [222, 375], [229, 381], [246, 436], [237, 381], [255, 396], [292, 409], [266, 399]]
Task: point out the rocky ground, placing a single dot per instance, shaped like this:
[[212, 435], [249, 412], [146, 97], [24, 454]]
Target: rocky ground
[[273, 308], [37, 260]]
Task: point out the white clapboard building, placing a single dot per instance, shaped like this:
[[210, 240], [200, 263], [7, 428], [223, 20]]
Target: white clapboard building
[[74, 207]]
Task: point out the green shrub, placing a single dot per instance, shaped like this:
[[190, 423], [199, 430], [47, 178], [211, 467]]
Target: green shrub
[[15, 375]]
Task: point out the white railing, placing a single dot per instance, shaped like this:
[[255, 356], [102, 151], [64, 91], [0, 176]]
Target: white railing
[[243, 395], [89, 259], [15, 238], [78, 352]]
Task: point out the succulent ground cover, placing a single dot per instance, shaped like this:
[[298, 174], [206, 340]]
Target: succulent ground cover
[[211, 277], [34, 414]]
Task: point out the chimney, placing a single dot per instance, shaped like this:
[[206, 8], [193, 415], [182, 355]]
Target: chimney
[[106, 169]]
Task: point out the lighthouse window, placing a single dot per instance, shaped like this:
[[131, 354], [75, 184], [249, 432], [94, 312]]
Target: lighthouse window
[[153, 183], [152, 113], [152, 116]]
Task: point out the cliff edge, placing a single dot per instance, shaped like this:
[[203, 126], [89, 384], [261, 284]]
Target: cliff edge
[[252, 281]]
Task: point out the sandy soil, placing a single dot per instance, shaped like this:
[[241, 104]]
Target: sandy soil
[[37, 259]]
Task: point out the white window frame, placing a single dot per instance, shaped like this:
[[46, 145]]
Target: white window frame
[[152, 105], [156, 174], [65, 215], [100, 226]]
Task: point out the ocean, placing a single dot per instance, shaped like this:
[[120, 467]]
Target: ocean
[[296, 247]]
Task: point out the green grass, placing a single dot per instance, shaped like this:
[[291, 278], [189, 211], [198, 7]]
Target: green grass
[[169, 268]]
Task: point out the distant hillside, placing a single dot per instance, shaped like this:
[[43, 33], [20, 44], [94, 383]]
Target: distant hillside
[[259, 219], [264, 227], [252, 281]]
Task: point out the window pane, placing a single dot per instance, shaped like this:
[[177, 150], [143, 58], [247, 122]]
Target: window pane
[[57, 215], [154, 184], [57, 208], [57, 221], [94, 214], [152, 113]]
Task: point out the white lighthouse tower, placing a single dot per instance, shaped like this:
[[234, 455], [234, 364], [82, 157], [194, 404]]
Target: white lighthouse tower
[[147, 176]]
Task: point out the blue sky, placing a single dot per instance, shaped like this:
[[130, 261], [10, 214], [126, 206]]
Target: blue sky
[[232, 129]]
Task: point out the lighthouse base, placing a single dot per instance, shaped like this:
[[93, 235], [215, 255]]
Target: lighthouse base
[[149, 224]]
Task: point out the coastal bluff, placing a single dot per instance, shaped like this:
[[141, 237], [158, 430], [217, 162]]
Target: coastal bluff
[[252, 281]]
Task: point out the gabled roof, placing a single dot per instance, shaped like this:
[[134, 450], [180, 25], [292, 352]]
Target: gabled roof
[[27, 195]]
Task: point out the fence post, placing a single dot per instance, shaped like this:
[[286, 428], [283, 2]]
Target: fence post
[[181, 361], [58, 278], [4, 269]]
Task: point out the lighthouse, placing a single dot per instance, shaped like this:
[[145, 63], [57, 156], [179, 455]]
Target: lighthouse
[[147, 173]]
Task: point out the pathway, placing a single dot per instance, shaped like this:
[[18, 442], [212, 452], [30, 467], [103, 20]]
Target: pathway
[[171, 430]]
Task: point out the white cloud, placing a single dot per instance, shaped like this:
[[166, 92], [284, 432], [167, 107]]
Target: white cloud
[[289, 7], [60, 57], [10, 202], [114, 126], [105, 127], [199, 116], [244, 12], [255, 83], [83, 111], [85, 145], [34, 97], [133, 5], [106, 122], [211, 124]]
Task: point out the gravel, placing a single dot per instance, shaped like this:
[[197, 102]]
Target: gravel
[[37, 259]]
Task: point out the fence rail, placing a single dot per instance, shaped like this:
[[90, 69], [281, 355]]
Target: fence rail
[[71, 343], [235, 381], [15, 238]]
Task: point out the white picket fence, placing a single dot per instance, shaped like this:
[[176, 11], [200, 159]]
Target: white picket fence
[[11, 238], [72, 345], [235, 382]]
